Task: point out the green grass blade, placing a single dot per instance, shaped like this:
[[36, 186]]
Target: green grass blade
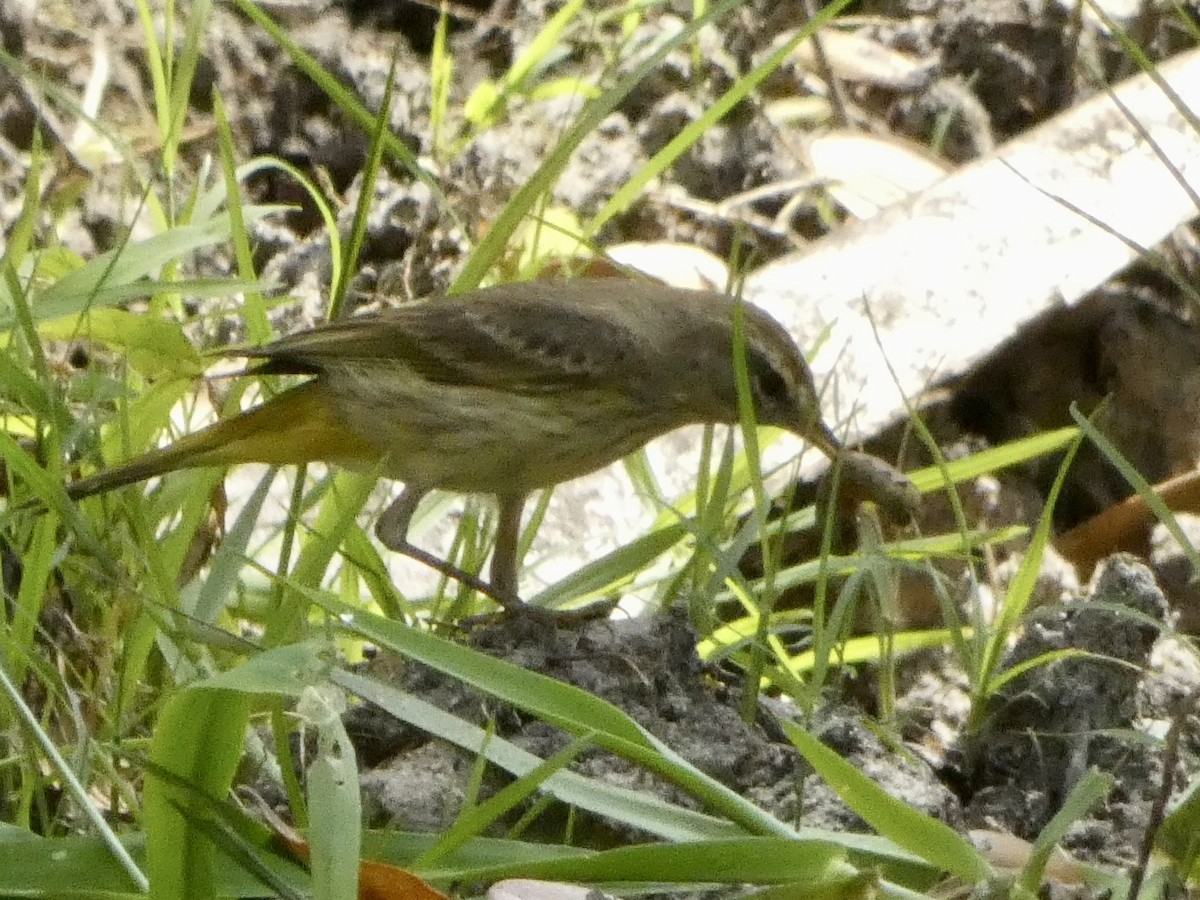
[[926, 837], [563, 705], [1087, 792], [741, 89], [346, 101], [1017, 598], [72, 785], [495, 241], [636, 808], [1140, 485], [611, 570]]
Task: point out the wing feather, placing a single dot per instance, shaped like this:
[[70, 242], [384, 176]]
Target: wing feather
[[524, 338]]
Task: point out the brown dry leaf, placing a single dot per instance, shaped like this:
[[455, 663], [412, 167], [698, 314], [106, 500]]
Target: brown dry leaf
[[376, 880]]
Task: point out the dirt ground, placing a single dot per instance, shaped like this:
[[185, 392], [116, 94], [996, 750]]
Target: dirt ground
[[974, 73]]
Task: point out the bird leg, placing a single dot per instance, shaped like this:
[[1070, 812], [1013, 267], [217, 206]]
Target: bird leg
[[505, 564], [392, 531], [508, 536], [392, 526]]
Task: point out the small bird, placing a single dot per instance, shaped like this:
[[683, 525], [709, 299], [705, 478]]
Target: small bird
[[502, 391]]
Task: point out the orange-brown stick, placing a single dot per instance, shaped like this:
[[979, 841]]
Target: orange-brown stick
[[1126, 526]]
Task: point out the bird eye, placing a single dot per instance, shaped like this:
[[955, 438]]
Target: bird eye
[[769, 384]]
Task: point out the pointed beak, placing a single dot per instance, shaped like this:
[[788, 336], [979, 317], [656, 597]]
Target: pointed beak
[[821, 437]]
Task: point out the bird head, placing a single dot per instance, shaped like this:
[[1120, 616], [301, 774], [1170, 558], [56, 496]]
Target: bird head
[[781, 383]]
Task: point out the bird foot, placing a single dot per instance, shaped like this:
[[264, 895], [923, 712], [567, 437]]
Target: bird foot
[[508, 601], [512, 607]]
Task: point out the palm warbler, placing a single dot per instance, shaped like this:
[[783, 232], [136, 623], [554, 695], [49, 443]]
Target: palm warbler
[[502, 391]]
